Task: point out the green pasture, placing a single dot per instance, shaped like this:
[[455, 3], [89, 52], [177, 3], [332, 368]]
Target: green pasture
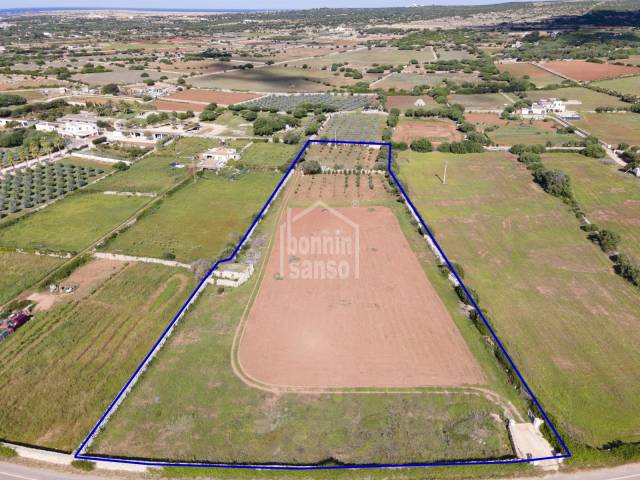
[[21, 271], [199, 220], [61, 370], [609, 197], [563, 314], [154, 173], [71, 224], [192, 405]]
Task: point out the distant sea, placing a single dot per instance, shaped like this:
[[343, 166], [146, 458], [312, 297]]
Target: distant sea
[[15, 11]]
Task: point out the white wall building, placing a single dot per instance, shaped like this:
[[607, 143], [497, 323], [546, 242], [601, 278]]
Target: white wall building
[[79, 125], [216, 158], [543, 107]]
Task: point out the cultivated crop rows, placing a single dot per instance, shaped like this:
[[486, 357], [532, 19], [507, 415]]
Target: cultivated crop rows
[[29, 188], [355, 127], [290, 102]]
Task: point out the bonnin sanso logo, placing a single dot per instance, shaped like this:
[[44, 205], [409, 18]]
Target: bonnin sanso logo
[[319, 243]]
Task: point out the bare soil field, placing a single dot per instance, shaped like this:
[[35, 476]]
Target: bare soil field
[[169, 106], [404, 102], [335, 188], [436, 130], [85, 279], [342, 156], [269, 79], [212, 96], [380, 325], [587, 71], [484, 119], [539, 76]]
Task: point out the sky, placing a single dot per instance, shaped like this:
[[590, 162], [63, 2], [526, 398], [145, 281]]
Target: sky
[[232, 4]]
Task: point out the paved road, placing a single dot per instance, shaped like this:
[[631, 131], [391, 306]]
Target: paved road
[[11, 471]]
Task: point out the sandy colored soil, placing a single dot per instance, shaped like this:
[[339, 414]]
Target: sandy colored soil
[[347, 156], [170, 106], [309, 188], [486, 118], [579, 70], [534, 72], [403, 102], [435, 130], [86, 278], [212, 96], [383, 327]]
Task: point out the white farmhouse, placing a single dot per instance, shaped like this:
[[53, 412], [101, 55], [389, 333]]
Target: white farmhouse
[[216, 158], [544, 107], [47, 126], [79, 125]]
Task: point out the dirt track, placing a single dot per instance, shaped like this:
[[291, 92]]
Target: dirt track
[[387, 328]]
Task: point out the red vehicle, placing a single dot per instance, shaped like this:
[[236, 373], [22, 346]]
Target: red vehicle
[[17, 320]]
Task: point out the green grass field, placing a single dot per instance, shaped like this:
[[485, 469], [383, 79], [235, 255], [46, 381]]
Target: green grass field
[[268, 156], [154, 173], [589, 99], [613, 128], [495, 101], [60, 371], [199, 220], [70, 224], [191, 405], [21, 271], [626, 85], [609, 197], [523, 132], [564, 315]]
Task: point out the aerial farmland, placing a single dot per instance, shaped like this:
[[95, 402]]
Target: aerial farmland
[[395, 242]]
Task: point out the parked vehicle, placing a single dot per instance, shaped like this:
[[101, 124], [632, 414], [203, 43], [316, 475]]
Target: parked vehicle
[[17, 320], [4, 333]]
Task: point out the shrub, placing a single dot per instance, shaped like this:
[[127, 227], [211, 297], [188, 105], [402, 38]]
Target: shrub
[[121, 166], [168, 256], [421, 145], [463, 296], [110, 89], [7, 452], [594, 150], [311, 167], [8, 99], [555, 182], [628, 270], [85, 465], [608, 240]]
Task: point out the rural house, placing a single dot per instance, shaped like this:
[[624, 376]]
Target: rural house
[[216, 158], [79, 125]]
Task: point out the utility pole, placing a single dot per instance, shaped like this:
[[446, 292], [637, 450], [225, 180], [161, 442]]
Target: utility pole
[[444, 178]]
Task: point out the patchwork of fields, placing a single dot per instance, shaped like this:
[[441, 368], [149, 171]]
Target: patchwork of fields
[[238, 423], [610, 198], [564, 315], [61, 370], [199, 220], [613, 128]]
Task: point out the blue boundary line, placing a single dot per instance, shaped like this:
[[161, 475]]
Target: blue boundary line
[[151, 463]]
